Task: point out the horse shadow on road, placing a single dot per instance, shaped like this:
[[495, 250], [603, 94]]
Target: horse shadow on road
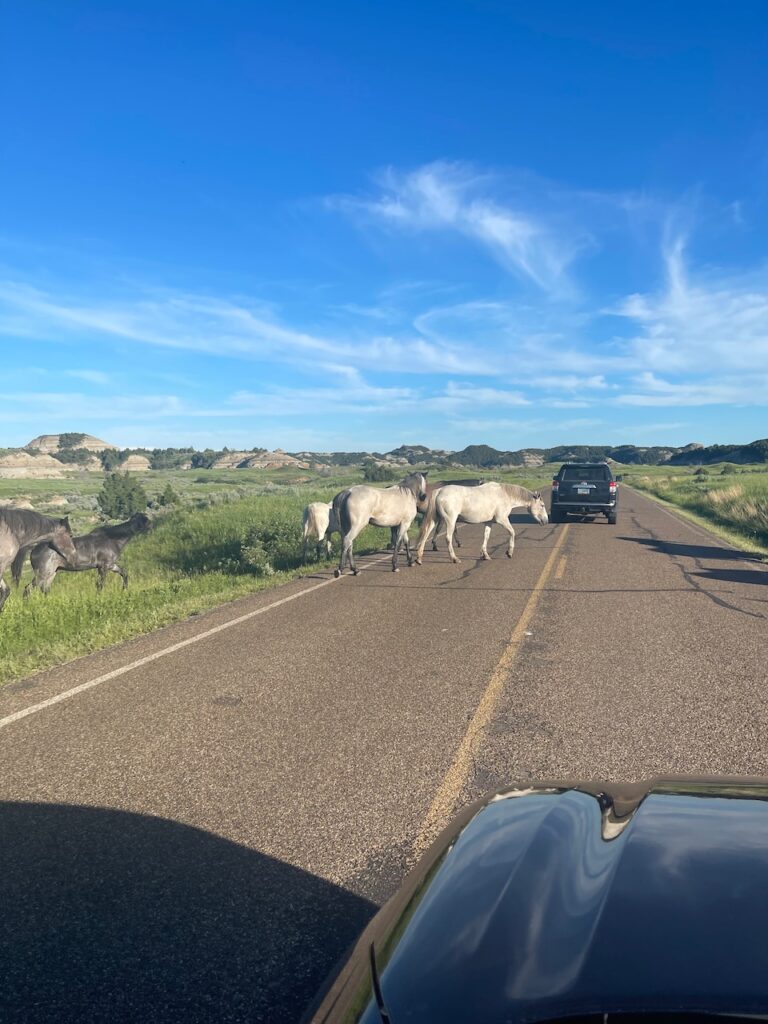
[[112, 916], [704, 551], [759, 577]]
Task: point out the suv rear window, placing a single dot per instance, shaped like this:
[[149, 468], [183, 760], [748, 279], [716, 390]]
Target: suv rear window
[[585, 473]]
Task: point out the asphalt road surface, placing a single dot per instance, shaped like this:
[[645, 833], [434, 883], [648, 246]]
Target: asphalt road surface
[[199, 832]]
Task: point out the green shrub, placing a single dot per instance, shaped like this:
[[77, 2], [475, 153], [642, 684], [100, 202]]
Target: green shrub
[[373, 472], [121, 496]]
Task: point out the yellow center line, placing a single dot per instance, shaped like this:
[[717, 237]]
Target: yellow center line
[[561, 567], [456, 777]]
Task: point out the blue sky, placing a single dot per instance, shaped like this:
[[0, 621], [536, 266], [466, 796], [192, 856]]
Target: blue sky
[[344, 225]]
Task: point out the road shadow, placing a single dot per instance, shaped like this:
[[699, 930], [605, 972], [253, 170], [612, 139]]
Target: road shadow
[[111, 916], [756, 576], [708, 551]]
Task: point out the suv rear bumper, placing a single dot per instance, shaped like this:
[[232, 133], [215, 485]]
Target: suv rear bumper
[[584, 507]]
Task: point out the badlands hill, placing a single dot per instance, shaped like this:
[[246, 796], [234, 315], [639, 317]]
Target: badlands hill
[[50, 444]]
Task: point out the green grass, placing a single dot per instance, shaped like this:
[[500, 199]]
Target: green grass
[[734, 503], [195, 558]]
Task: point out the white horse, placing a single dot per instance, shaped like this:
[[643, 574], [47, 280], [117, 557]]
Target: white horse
[[489, 503], [319, 523], [388, 506], [427, 510]]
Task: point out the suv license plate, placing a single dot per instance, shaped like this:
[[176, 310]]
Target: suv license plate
[[582, 490]]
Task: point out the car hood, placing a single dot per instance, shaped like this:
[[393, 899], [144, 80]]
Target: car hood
[[558, 899]]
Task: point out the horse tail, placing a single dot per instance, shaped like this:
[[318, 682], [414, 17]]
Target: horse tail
[[345, 520], [17, 566]]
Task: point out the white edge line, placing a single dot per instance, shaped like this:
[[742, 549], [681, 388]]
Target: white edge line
[[67, 694]]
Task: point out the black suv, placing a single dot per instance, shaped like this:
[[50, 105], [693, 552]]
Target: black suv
[[584, 489]]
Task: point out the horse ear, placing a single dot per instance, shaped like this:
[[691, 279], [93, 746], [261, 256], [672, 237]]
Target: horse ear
[[425, 472], [65, 522]]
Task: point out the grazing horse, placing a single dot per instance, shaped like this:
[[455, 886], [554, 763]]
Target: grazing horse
[[21, 528], [489, 503], [394, 507], [320, 522], [99, 549]]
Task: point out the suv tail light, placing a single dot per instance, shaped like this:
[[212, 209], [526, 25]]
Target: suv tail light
[[555, 484], [612, 487]]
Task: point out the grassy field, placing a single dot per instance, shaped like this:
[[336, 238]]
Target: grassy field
[[233, 532], [730, 500]]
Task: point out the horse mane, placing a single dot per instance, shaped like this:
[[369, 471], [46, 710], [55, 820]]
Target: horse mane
[[519, 493], [116, 532], [22, 520]]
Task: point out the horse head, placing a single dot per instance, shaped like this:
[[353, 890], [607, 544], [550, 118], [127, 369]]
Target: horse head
[[417, 485], [538, 509], [140, 522], [62, 541]]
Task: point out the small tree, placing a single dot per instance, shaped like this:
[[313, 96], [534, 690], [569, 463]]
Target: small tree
[[74, 456], [110, 459], [374, 473], [168, 497], [70, 440], [121, 496]]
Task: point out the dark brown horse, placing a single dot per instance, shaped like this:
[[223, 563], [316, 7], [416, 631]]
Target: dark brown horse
[[99, 549], [21, 528]]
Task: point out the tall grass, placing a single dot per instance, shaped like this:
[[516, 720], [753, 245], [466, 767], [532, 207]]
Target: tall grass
[[194, 559], [734, 500]]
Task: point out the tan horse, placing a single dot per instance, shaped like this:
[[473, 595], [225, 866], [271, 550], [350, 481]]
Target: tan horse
[[489, 503], [319, 523]]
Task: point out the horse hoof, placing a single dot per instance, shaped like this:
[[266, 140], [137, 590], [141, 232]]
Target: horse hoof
[[395, 568], [486, 558], [509, 554], [355, 572], [337, 573]]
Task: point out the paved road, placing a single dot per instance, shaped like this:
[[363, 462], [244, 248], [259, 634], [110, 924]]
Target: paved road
[[198, 837]]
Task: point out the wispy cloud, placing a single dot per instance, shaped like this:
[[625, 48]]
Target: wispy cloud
[[650, 390], [456, 197], [224, 328], [91, 376], [716, 323]]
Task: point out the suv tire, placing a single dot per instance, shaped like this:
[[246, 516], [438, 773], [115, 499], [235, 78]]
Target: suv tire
[[612, 516]]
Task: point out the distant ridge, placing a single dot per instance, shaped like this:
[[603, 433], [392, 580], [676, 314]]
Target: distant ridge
[[83, 450]]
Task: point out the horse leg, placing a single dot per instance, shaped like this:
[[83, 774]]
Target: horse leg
[[121, 573], [304, 549], [503, 520], [456, 537], [4, 592], [402, 532], [450, 526], [347, 553], [101, 578], [486, 535], [428, 524], [408, 553]]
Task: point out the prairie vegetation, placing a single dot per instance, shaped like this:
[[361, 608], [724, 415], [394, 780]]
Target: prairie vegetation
[[735, 499]]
